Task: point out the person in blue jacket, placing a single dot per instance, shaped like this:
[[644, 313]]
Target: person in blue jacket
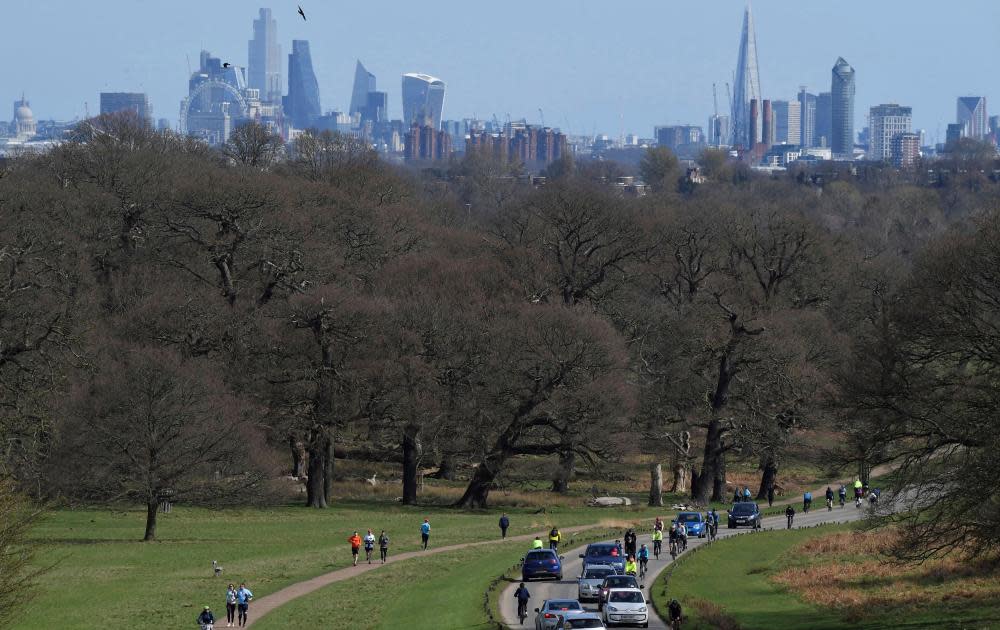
[[425, 532], [243, 599], [504, 524]]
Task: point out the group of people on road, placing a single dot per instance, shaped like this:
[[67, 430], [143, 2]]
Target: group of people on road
[[237, 608], [742, 495], [369, 541]]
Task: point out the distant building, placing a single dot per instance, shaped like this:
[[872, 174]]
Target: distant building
[[955, 132], [163, 124], [807, 118], [787, 120], [23, 127], [887, 122], [264, 60], [302, 104], [971, 112], [427, 143], [364, 83], [842, 91], [112, 102], [905, 149], [532, 145], [423, 100], [746, 87], [824, 120], [675, 136], [719, 131]]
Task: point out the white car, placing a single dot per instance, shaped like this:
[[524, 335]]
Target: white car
[[626, 606], [554, 611], [589, 584], [587, 621]]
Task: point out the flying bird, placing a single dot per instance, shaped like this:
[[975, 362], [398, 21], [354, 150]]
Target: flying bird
[[226, 65], [302, 13]]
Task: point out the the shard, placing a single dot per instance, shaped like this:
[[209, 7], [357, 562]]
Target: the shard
[[746, 87]]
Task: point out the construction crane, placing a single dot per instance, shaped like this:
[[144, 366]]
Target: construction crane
[[542, 116], [715, 101]]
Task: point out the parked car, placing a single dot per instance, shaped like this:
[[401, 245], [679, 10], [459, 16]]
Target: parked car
[[744, 514], [589, 584], [605, 553], [615, 581], [555, 612], [694, 522], [541, 563], [591, 621], [626, 606]]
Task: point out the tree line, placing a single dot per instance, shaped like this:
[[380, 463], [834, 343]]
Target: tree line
[[181, 323]]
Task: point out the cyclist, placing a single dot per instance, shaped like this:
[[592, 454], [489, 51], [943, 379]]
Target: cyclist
[[873, 496], [682, 536], [829, 498], [630, 566], [206, 619], [369, 545], [554, 538], [643, 556], [807, 500], [657, 542], [522, 596], [630, 538], [789, 514], [537, 543], [674, 610], [658, 525], [842, 493]]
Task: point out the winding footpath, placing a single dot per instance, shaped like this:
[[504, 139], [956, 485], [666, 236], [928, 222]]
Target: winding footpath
[[263, 605]]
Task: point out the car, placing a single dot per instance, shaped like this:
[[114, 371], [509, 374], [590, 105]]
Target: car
[[541, 563], [589, 584], [604, 553], [615, 581], [591, 621], [694, 522], [626, 606], [556, 611], [745, 513]]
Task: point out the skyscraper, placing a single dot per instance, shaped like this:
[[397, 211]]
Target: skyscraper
[[112, 102], [972, 114], [364, 82], [302, 103], [824, 120], [842, 124], [786, 122], [807, 118], [264, 67], [887, 122], [747, 86], [423, 100]]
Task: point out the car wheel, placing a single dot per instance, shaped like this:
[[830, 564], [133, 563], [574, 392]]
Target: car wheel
[[559, 578]]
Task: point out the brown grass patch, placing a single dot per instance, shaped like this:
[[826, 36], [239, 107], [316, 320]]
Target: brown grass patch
[[852, 579], [714, 615]]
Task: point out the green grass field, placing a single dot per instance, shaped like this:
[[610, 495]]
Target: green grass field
[[734, 577], [104, 576]]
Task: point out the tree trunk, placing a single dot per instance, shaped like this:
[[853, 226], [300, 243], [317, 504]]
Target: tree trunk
[[719, 487], [446, 469], [298, 457], [705, 486], [151, 507], [320, 453], [411, 458], [679, 478], [768, 477], [478, 491], [564, 472], [655, 485]]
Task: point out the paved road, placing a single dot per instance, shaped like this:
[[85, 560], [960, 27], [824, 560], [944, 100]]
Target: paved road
[[572, 564]]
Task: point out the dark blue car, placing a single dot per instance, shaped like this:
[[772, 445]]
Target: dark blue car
[[604, 553], [541, 564]]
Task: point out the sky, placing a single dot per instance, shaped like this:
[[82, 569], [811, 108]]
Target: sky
[[589, 65]]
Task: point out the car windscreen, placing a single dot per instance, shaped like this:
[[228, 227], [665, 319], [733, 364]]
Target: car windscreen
[[564, 604], [689, 518], [626, 597], [583, 623], [744, 508], [600, 550], [536, 556], [597, 574], [620, 581]]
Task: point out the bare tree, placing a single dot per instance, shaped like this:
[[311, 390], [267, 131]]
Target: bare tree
[[17, 551], [253, 145]]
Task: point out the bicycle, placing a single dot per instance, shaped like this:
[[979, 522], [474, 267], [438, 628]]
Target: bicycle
[[673, 549], [829, 505], [656, 548], [522, 611], [843, 500], [790, 521], [642, 567], [713, 531]]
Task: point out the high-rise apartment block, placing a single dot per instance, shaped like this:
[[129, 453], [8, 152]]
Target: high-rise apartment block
[[674, 136], [137, 102], [423, 100], [302, 105], [746, 87], [264, 60], [885, 123], [787, 121], [905, 149], [427, 143], [719, 130], [527, 143], [971, 112], [824, 120], [842, 91]]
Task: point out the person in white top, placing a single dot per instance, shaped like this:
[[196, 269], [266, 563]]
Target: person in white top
[[369, 545]]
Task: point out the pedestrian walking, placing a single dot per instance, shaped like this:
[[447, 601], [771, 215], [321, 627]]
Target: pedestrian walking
[[243, 599], [504, 524], [383, 545], [231, 606], [355, 541], [425, 532]]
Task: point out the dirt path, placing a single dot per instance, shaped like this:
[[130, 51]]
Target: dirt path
[[263, 605]]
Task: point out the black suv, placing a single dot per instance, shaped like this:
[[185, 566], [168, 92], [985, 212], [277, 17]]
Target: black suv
[[747, 514]]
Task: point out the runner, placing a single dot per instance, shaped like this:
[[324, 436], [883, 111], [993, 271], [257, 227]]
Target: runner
[[355, 541], [243, 599], [369, 546], [231, 606], [425, 532], [383, 545]]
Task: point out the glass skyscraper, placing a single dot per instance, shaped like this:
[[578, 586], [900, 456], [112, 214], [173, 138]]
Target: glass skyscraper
[[746, 88], [264, 66], [302, 103], [423, 100], [842, 97], [364, 82]]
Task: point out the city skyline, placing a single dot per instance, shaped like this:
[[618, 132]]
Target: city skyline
[[666, 80]]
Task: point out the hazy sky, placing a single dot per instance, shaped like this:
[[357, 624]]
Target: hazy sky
[[585, 63]]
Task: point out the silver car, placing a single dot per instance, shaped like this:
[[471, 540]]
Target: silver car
[[554, 612], [590, 621], [589, 584], [626, 606]]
